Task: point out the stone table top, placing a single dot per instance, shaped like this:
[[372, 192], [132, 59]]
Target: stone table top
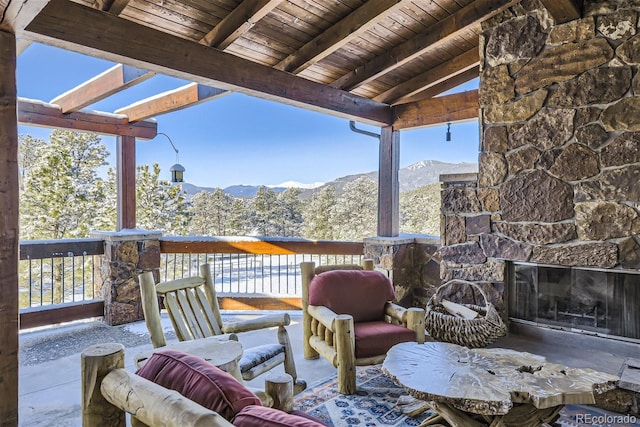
[[490, 381]]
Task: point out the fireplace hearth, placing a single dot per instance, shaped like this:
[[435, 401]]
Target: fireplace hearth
[[600, 302]]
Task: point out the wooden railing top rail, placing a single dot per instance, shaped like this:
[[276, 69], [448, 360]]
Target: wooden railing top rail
[[40, 249], [256, 245]]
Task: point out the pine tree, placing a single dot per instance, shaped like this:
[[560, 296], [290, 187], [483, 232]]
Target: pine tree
[[289, 213], [211, 213], [420, 210], [319, 215], [159, 205], [356, 211], [62, 189], [264, 221], [29, 151]]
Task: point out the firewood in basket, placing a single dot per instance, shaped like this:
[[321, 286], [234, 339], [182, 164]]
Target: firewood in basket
[[459, 310]]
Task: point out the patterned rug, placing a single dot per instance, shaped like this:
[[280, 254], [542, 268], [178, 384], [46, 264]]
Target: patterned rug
[[374, 404]]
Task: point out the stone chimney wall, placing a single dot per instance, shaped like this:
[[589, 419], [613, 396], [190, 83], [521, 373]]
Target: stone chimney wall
[[559, 162]]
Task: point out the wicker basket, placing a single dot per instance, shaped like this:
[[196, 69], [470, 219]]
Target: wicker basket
[[478, 332]]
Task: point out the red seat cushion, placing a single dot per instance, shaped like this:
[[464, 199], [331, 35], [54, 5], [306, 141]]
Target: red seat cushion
[[360, 293], [376, 338], [198, 380], [260, 416]]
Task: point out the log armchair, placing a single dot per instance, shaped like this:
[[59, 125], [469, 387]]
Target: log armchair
[[193, 308], [349, 318]]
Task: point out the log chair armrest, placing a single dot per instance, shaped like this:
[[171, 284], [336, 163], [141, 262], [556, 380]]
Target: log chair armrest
[[324, 315], [262, 322], [396, 312], [153, 404]]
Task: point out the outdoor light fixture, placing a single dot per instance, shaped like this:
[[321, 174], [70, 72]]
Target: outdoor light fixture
[[177, 170], [448, 139]]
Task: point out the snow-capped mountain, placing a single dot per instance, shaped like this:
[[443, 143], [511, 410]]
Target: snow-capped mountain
[[411, 177]]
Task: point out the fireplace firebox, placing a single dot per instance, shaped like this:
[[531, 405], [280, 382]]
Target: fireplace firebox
[[602, 302]]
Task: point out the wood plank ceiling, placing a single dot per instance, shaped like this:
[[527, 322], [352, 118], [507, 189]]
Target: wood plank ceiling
[[378, 61]]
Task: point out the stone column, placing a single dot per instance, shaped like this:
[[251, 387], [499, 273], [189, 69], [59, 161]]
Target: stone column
[[395, 256], [127, 253]]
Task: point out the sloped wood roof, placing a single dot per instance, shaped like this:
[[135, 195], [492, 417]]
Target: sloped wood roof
[[376, 61]]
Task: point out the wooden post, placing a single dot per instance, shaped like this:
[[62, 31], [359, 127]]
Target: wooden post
[[289, 362], [307, 270], [151, 309], [210, 291], [280, 388], [345, 348], [126, 182], [388, 185], [96, 362], [9, 231], [415, 322], [367, 264]]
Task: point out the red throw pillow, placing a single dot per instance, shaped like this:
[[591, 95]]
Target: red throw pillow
[[261, 416], [360, 293], [198, 380]]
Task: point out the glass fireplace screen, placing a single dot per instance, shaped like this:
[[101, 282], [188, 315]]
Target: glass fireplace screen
[[599, 301]]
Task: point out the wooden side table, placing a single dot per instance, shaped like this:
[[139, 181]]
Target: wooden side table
[[220, 352], [496, 386]]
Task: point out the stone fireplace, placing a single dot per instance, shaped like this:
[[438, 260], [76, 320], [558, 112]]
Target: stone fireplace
[[557, 195]]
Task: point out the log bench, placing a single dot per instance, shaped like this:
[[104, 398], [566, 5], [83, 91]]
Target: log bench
[[109, 392]]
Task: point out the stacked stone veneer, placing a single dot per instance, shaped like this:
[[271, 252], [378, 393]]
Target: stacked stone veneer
[[411, 262], [559, 163], [127, 254]]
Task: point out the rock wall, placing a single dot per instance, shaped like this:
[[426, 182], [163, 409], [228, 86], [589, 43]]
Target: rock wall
[[559, 164], [411, 263], [126, 255]]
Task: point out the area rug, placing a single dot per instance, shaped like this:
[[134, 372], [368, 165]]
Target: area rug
[[374, 404]]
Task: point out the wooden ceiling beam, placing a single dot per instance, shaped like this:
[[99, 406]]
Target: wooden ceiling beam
[[237, 22], [19, 13], [174, 100], [435, 90], [564, 10], [61, 23], [435, 75], [48, 115], [22, 45], [357, 22], [435, 36], [115, 79], [458, 107]]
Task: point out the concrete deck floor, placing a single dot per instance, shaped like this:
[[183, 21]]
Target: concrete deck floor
[[50, 360]]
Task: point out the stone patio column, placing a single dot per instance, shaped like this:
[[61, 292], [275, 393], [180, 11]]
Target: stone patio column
[[127, 253], [394, 255]]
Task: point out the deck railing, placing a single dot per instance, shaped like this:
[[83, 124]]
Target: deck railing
[[244, 265], [57, 278]]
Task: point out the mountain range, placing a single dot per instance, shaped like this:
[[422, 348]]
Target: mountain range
[[411, 177]]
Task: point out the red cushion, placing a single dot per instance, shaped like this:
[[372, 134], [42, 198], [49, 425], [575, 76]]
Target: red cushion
[[198, 380], [360, 293], [260, 416], [376, 338]]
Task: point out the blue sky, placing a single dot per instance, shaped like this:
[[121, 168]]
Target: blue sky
[[237, 139]]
